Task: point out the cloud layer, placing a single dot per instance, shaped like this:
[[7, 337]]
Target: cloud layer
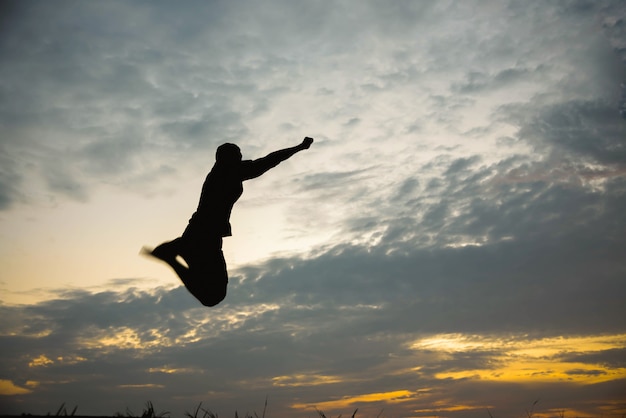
[[468, 181]]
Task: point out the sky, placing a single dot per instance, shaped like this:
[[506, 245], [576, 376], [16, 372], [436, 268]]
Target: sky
[[453, 244]]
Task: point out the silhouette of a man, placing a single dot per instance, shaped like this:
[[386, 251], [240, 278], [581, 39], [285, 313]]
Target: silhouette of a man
[[200, 246]]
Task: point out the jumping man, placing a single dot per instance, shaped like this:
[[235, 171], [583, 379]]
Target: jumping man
[[200, 246]]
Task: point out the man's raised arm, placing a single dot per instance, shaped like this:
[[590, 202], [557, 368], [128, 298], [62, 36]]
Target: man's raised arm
[[257, 167]]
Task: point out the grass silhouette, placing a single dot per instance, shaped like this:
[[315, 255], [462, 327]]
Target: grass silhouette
[[200, 412]]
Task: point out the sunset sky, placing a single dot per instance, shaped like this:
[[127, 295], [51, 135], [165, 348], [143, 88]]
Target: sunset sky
[[453, 244]]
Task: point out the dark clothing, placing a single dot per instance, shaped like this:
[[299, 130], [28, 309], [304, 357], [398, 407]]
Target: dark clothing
[[207, 277], [222, 187], [201, 243]]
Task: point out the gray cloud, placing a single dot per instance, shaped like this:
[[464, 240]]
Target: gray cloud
[[73, 88], [520, 245], [107, 73], [280, 319], [590, 131], [477, 82], [614, 358], [9, 181]]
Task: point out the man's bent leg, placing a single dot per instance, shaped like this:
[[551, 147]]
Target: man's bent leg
[[207, 277], [207, 282]]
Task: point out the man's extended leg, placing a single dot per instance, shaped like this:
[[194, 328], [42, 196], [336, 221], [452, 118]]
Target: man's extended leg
[[168, 252]]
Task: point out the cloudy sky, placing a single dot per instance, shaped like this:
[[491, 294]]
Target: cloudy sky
[[453, 244]]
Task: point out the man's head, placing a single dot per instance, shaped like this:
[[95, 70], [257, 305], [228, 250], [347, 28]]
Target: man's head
[[228, 153]]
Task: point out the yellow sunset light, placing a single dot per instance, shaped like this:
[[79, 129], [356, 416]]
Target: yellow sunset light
[[304, 380], [516, 359], [389, 397], [8, 388]]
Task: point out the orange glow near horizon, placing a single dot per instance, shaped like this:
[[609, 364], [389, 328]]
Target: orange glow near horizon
[[305, 380], [8, 388], [446, 406], [511, 359], [347, 401], [519, 360], [172, 370], [544, 371]]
